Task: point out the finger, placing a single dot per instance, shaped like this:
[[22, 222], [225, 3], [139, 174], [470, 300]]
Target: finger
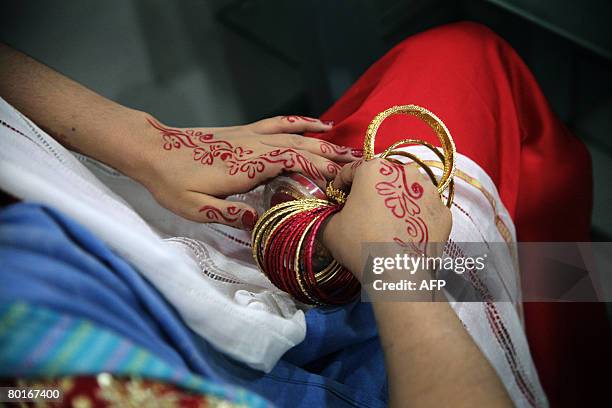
[[316, 168], [345, 177], [339, 154], [291, 124], [204, 208]]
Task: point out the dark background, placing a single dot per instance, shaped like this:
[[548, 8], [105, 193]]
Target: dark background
[[220, 62]]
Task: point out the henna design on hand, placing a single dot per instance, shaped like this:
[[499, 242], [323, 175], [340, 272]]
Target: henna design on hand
[[214, 213], [231, 215], [333, 168], [401, 198], [206, 149], [177, 138], [288, 158], [327, 148], [221, 149], [249, 218], [356, 164]]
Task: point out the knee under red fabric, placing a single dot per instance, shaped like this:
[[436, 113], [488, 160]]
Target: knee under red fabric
[[475, 82]]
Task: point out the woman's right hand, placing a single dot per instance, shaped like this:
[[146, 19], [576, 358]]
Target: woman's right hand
[[388, 202]]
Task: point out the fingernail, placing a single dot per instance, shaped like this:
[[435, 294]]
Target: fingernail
[[249, 218], [328, 122], [357, 152]]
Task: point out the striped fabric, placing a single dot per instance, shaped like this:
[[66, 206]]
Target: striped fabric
[[37, 342]]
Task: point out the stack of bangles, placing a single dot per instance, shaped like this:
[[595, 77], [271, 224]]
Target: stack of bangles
[[284, 239]]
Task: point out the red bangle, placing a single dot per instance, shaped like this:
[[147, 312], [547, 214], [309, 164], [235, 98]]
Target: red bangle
[[284, 242]]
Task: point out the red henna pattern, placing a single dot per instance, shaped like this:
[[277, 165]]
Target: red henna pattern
[[297, 118], [214, 213], [287, 158], [356, 164], [417, 190], [206, 150], [177, 138], [333, 168], [249, 218], [327, 148], [221, 149], [401, 200]]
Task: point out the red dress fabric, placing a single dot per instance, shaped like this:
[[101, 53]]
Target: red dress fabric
[[477, 84]]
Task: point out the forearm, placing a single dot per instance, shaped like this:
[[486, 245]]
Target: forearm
[[431, 359], [75, 116]]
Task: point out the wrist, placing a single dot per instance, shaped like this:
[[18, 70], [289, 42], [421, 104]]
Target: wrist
[[328, 234], [136, 144], [336, 242]]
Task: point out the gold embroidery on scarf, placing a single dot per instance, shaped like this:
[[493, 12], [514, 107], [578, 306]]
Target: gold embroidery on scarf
[[501, 226]]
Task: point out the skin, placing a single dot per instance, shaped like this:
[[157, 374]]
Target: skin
[[152, 153], [431, 359]]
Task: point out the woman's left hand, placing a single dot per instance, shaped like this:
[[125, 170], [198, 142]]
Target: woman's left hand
[[191, 170]]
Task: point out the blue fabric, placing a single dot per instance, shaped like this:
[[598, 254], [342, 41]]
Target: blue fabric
[[38, 342], [50, 261]]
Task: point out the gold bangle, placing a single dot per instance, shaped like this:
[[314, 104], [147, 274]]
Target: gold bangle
[[273, 218], [335, 194], [262, 230], [298, 268], [448, 145]]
